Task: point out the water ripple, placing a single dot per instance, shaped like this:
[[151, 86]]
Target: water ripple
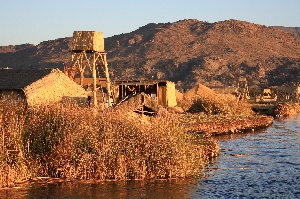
[[270, 170]]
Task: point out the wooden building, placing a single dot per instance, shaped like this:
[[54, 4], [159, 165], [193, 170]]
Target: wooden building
[[162, 91], [39, 86]]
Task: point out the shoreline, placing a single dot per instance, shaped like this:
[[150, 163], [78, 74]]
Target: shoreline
[[248, 123], [232, 125]]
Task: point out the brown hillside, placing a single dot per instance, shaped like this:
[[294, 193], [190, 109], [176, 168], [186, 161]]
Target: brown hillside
[[187, 52], [294, 30]]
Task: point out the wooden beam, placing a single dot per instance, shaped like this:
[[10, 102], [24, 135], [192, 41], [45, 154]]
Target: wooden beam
[[94, 81], [90, 81]]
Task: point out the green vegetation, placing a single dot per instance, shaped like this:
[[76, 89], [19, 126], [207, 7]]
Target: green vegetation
[[72, 142]]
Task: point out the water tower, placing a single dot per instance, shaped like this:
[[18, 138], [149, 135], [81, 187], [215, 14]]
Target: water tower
[[87, 50]]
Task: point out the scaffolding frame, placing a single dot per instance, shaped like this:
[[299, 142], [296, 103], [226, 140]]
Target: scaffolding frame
[[87, 50], [82, 59]]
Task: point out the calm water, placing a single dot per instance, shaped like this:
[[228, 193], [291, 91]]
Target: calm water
[[263, 164]]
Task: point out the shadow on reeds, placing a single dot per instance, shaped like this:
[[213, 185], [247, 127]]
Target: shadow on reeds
[[72, 142]]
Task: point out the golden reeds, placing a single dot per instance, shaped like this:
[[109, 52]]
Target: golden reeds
[[12, 162], [286, 109], [68, 141]]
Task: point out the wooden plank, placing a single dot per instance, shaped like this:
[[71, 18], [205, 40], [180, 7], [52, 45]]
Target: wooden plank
[[89, 81]]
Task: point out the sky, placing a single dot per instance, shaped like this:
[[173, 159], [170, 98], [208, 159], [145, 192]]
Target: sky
[[35, 21]]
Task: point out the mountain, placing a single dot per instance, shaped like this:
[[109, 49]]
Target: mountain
[[294, 30], [186, 52]]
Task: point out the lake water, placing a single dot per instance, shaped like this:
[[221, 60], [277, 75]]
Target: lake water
[[264, 164]]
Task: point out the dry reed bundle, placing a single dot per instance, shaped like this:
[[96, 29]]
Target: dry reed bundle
[[115, 146], [202, 99]]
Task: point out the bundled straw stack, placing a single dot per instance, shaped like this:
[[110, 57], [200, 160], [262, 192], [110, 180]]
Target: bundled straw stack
[[202, 99]]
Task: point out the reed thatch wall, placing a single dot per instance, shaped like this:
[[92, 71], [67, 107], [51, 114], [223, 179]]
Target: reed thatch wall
[[171, 94], [54, 87], [88, 40], [225, 89]]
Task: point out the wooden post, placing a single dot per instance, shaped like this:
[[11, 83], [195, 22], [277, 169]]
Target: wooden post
[[94, 81], [157, 92], [81, 69], [107, 79]]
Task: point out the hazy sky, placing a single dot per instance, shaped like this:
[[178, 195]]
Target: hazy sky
[[35, 21]]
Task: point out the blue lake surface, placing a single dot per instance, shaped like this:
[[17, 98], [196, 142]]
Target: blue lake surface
[[264, 164], [257, 165]]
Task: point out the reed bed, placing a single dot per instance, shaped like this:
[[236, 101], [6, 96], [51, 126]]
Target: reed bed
[[12, 162], [224, 124], [286, 109], [211, 113], [72, 142]]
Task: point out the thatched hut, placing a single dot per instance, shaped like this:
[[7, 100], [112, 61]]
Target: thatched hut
[[39, 86]]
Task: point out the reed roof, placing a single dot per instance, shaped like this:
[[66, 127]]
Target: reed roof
[[41, 85], [54, 87]]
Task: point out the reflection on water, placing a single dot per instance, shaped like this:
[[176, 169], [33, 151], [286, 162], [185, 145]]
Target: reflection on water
[[262, 164], [181, 188]]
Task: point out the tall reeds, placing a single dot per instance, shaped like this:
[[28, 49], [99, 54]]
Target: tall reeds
[[68, 141], [12, 162]]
